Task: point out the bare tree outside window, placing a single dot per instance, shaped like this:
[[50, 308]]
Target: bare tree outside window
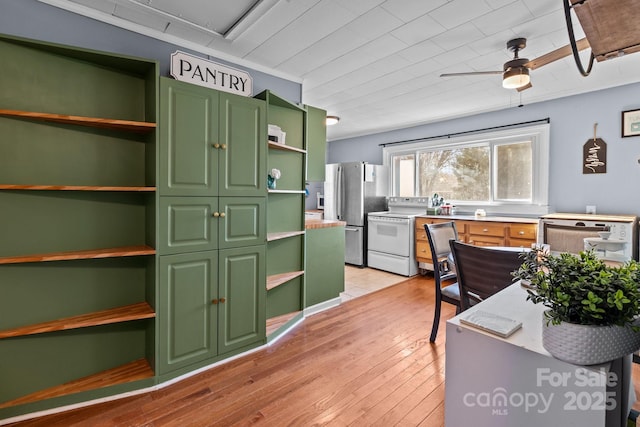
[[460, 174]]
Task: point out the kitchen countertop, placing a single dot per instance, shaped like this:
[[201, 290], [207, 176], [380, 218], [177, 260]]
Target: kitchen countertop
[[484, 218], [322, 223]]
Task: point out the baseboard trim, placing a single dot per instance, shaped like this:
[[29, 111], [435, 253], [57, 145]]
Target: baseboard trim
[[325, 305]]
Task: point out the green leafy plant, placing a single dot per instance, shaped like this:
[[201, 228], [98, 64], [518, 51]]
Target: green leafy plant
[[582, 288]]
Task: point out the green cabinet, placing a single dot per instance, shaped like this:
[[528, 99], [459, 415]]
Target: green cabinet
[[213, 143], [324, 268], [212, 303], [189, 224], [316, 143], [212, 226]]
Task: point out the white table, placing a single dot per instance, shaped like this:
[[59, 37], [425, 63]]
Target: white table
[[493, 381]]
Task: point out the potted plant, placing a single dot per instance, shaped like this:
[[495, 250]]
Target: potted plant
[[592, 307]]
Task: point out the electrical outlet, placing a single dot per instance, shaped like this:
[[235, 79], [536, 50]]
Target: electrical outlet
[[591, 209]]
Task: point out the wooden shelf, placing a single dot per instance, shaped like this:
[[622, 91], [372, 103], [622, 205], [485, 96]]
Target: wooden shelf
[[73, 188], [274, 323], [90, 254], [286, 191], [283, 147], [276, 280], [283, 235], [127, 125], [134, 371], [141, 310]]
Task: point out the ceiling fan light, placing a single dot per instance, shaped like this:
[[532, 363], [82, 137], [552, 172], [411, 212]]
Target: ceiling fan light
[[515, 78], [332, 120]]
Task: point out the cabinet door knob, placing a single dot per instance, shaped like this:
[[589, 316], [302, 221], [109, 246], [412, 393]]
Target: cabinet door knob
[[521, 232], [222, 215], [223, 146], [485, 230], [214, 301], [216, 214], [222, 300], [216, 145]]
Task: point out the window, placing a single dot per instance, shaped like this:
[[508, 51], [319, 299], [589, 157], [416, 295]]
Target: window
[[505, 171], [404, 174]]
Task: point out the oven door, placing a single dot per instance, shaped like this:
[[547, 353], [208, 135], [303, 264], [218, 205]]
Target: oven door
[[390, 235]]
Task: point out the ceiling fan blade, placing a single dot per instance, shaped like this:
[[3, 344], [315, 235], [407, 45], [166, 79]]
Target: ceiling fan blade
[[554, 55], [527, 86], [471, 73]]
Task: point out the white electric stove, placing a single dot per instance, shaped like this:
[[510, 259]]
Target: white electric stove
[[391, 235]]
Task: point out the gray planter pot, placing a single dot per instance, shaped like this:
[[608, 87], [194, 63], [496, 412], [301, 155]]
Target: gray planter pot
[[588, 344]]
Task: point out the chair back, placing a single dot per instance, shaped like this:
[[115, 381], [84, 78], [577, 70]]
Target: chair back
[[439, 235], [483, 272]]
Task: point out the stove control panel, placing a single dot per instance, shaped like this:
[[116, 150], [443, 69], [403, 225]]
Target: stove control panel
[[409, 202]]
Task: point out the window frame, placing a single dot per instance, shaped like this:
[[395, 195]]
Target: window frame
[[539, 136]]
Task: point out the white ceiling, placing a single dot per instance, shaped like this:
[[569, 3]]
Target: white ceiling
[[376, 63]]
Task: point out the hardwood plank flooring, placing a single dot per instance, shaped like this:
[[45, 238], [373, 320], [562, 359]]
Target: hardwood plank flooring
[[365, 362]]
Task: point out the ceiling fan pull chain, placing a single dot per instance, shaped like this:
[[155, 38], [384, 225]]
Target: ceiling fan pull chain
[[572, 40]]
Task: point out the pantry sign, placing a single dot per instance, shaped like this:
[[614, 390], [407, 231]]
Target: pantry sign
[[202, 72]]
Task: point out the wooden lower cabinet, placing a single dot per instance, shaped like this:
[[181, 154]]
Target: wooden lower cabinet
[[212, 303], [484, 233], [423, 250], [478, 233]]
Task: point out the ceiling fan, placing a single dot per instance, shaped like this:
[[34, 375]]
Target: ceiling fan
[[515, 73]]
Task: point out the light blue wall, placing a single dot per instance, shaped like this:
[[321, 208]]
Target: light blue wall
[[572, 119], [35, 20]]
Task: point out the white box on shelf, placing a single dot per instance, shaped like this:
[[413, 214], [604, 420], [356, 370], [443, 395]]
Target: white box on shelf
[[276, 134]]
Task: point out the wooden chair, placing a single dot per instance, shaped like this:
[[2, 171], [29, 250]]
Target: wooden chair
[[482, 271], [439, 235]]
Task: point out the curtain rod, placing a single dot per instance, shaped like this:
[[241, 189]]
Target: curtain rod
[[449, 135]]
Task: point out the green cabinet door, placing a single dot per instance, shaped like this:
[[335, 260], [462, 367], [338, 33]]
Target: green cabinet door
[[242, 281], [187, 315], [242, 222], [324, 270], [211, 143], [210, 303], [316, 143], [243, 135], [188, 137], [188, 224]]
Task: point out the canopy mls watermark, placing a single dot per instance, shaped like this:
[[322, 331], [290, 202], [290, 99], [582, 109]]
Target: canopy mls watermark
[[202, 72]]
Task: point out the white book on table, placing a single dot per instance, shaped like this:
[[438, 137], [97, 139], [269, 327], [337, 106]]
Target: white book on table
[[492, 323]]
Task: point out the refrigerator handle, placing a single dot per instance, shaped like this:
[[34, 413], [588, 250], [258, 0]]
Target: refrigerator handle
[[339, 193]]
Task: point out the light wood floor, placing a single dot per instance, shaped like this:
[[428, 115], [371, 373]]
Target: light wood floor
[[367, 362]]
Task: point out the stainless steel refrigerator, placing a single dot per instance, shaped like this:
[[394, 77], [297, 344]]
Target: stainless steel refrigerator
[[351, 191]]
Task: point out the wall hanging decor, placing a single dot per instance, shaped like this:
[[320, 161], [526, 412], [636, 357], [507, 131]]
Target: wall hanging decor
[[594, 154], [630, 123]]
